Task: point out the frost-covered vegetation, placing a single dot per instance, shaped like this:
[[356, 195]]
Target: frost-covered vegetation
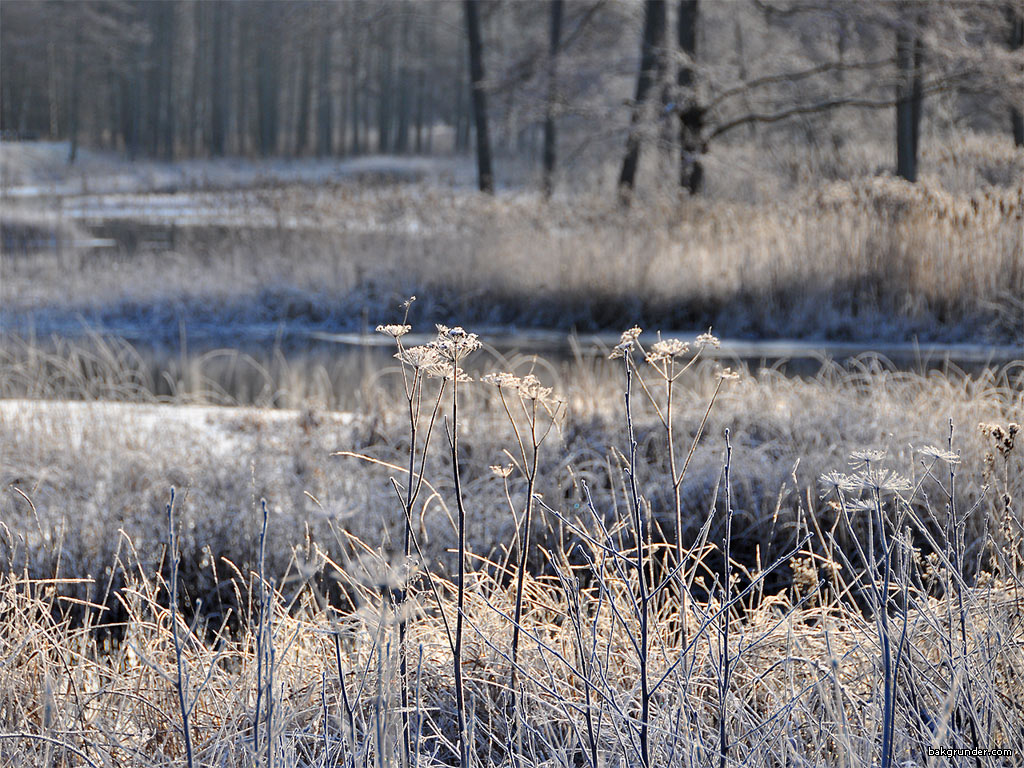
[[865, 259], [321, 627], [228, 540]]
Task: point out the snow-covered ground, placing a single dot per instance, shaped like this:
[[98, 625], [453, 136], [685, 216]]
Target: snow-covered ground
[[40, 169], [221, 431]]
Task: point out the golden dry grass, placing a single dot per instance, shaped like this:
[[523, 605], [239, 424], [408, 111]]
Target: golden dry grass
[[89, 665], [863, 259]]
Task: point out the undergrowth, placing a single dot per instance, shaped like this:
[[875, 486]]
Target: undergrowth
[[639, 602]]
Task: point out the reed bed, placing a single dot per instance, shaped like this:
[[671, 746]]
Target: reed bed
[[872, 257]]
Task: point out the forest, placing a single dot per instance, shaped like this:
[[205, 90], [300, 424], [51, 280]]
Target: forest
[[529, 82]]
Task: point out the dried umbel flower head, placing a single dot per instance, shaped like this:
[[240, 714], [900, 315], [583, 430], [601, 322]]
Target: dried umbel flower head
[[450, 372], [868, 479], [940, 454], [502, 380], [417, 358], [666, 350], [884, 480], [861, 505], [626, 342], [455, 344], [728, 374], [501, 471], [865, 458], [531, 389], [707, 340], [528, 387], [394, 331], [838, 481]]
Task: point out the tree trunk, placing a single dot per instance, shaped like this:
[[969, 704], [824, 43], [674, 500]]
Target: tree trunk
[[691, 113], [200, 79], [220, 88], [305, 100], [243, 72], [353, 74], [485, 176], [385, 97], [168, 112], [420, 98], [324, 128], [401, 144], [267, 76], [1016, 43], [421, 77], [908, 99], [550, 145], [74, 108], [153, 80], [655, 16]]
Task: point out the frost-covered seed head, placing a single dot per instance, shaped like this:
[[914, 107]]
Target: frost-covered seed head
[[708, 340], [865, 458], [502, 380], [626, 342], [394, 331], [940, 454]]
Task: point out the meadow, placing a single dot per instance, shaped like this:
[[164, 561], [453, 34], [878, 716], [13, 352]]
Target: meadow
[[320, 592], [446, 553]]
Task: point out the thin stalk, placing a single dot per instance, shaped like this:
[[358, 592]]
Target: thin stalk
[[642, 603], [958, 559], [182, 678], [726, 588], [888, 705], [260, 630], [460, 695], [349, 712], [524, 551]]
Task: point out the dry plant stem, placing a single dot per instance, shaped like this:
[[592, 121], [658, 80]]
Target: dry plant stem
[[677, 484], [269, 644], [349, 712], [403, 665], [53, 742], [642, 601], [524, 552], [323, 708], [260, 633], [958, 557], [460, 694], [726, 589], [575, 613], [414, 481], [882, 608], [181, 681]]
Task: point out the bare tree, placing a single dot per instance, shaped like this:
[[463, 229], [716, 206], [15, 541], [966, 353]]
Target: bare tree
[[324, 126], [305, 100], [651, 62], [268, 69], [550, 148], [485, 175], [689, 109], [908, 94]]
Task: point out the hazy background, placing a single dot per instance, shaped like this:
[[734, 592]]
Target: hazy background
[[256, 176]]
